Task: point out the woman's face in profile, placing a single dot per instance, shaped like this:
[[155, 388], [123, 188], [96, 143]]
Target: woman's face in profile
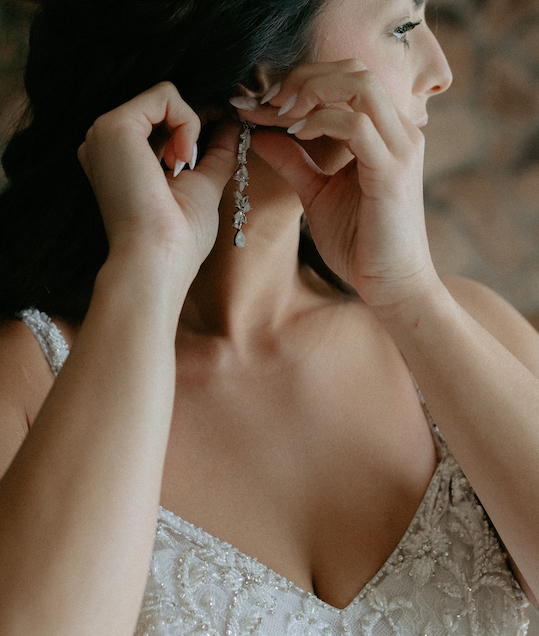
[[393, 40]]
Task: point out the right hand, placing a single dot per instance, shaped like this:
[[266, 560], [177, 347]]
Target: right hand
[[366, 215], [142, 206]]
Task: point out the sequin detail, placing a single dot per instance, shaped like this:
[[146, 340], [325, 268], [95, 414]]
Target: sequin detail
[[48, 336], [448, 575]]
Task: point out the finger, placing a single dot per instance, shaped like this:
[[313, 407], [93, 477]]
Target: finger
[[359, 92], [162, 104], [264, 112], [414, 133], [82, 155], [291, 161], [356, 130], [338, 86], [218, 162], [179, 151], [292, 84]]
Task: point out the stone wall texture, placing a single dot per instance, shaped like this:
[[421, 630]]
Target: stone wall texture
[[482, 159]]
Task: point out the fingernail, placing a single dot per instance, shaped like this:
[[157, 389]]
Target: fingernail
[[193, 161], [295, 128], [274, 90], [178, 167], [289, 104], [244, 103]]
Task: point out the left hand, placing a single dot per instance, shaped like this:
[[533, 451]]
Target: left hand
[[367, 219]]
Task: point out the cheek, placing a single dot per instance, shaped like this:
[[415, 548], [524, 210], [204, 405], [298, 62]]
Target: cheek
[[387, 67], [395, 82]]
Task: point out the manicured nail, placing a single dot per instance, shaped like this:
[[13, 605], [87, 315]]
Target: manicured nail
[[193, 161], [244, 103], [274, 90], [289, 104], [295, 128], [178, 167]]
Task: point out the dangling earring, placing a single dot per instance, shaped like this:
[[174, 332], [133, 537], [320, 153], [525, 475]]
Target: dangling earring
[[242, 177]]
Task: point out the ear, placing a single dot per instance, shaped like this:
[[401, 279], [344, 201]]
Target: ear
[[257, 83]]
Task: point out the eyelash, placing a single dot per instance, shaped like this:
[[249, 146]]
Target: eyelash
[[400, 31]]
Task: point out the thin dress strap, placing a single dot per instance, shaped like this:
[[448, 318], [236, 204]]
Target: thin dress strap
[[49, 337], [441, 444]]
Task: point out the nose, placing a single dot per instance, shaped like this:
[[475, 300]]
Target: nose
[[435, 76]]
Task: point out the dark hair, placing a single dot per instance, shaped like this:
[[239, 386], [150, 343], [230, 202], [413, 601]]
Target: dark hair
[[86, 57]]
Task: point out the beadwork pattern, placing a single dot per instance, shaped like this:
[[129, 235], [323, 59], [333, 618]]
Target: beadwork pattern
[[49, 337], [447, 576]]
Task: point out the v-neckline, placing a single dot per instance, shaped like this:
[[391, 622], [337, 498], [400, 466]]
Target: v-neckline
[[196, 535]]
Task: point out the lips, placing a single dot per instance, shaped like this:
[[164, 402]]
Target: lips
[[423, 121]]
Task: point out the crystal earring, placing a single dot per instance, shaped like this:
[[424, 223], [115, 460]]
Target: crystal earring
[[242, 177]]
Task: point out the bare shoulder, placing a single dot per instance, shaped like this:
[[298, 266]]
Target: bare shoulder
[[498, 317], [25, 380]]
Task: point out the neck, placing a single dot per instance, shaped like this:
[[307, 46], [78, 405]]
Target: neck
[[239, 290]]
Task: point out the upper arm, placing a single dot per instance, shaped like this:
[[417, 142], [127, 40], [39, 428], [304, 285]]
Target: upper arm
[[499, 318], [25, 380]]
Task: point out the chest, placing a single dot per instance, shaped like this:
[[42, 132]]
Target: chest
[[315, 469]]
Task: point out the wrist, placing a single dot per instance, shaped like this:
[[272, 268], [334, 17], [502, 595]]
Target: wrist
[[151, 282], [414, 310]]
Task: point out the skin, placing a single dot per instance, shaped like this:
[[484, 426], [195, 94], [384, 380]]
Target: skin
[[237, 389]]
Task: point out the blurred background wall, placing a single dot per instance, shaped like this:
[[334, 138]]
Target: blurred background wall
[[482, 162]]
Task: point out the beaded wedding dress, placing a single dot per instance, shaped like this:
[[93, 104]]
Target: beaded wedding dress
[[447, 576]]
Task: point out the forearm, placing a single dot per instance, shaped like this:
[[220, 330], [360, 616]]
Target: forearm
[[79, 502], [486, 403]]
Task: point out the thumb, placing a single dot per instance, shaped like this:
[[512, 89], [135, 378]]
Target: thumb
[[220, 159], [291, 161]]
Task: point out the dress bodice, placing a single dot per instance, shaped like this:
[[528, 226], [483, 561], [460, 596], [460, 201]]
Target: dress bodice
[[447, 576]]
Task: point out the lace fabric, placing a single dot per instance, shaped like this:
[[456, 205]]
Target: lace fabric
[[447, 576]]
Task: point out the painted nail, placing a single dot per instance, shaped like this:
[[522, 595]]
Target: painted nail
[[178, 167], [289, 104], [193, 161], [274, 90], [244, 103], [295, 128]]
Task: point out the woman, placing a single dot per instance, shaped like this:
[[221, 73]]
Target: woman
[[251, 396]]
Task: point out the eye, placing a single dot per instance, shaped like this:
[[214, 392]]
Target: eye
[[402, 30]]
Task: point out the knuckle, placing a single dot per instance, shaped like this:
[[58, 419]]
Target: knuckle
[[361, 120], [166, 87], [297, 75], [311, 85], [368, 79], [105, 126], [353, 65], [103, 122], [81, 152]]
